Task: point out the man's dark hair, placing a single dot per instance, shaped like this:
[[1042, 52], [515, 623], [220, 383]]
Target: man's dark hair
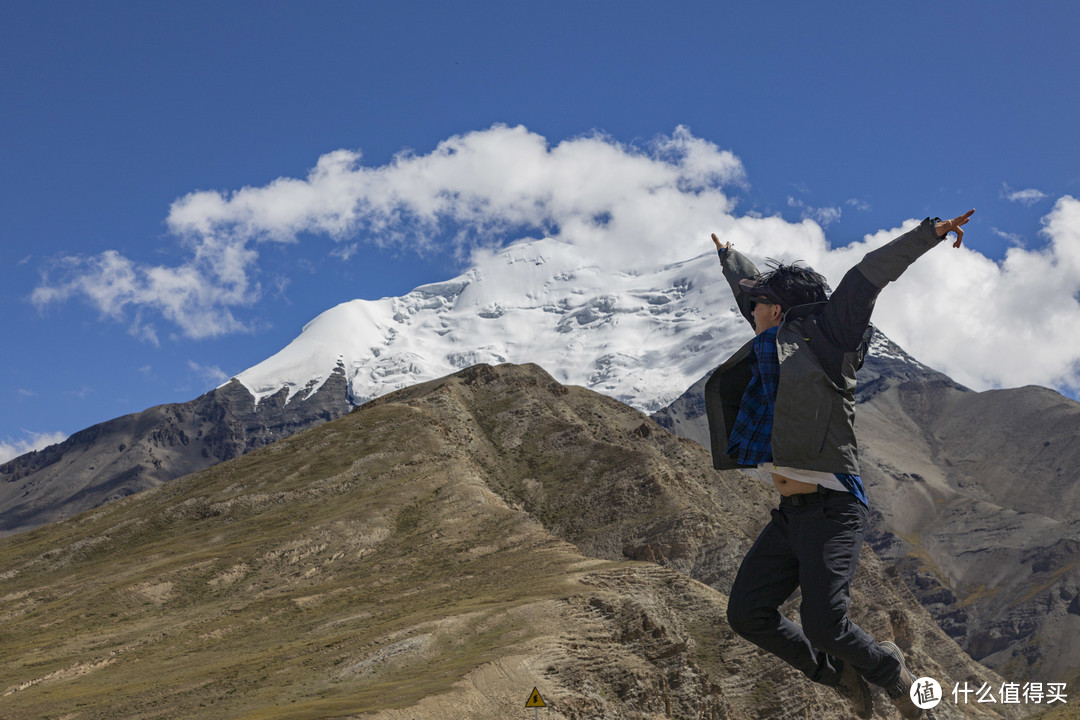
[[794, 284]]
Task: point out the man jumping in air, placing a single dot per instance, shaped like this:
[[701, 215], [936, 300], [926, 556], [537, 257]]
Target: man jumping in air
[[783, 408]]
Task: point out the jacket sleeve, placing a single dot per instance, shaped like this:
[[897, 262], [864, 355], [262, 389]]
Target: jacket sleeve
[[847, 313], [738, 267]]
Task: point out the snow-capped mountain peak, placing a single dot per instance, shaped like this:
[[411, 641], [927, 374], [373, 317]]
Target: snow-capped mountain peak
[[641, 337]]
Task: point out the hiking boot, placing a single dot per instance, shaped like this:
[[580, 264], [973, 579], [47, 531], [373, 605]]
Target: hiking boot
[[854, 689], [900, 690]]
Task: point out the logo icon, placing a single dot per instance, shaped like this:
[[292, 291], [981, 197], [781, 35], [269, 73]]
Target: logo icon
[[926, 693]]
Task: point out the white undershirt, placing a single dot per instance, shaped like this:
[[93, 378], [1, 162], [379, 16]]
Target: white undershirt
[[764, 471]]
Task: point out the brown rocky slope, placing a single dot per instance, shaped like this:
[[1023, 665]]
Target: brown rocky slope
[[436, 553]]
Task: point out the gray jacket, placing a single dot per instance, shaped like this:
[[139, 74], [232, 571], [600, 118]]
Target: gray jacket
[[820, 346]]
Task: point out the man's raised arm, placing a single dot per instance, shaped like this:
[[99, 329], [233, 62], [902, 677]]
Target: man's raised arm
[[848, 312], [736, 267]]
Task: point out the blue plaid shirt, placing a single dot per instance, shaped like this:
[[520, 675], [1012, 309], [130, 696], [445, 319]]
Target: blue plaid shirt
[[750, 441]]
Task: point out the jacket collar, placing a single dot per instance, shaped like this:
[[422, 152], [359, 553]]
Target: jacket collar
[[801, 311]]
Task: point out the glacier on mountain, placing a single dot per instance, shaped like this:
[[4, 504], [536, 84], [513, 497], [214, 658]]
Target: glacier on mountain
[[641, 337]]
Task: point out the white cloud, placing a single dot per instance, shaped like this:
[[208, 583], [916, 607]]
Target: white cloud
[[988, 324], [211, 373], [485, 187], [13, 448], [824, 216], [488, 183], [345, 252], [1028, 197], [618, 205], [82, 393], [197, 296], [1011, 238]]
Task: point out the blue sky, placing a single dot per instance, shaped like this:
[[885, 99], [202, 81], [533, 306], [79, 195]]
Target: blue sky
[[857, 116]]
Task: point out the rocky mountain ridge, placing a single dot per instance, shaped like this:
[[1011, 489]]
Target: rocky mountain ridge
[[142, 450], [129, 454]]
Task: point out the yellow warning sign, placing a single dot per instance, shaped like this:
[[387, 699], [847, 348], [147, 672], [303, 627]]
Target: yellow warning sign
[[535, 700]]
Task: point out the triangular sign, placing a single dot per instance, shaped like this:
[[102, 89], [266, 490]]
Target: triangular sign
[[535, 700]]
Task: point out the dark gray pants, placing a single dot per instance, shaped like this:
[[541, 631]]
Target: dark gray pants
[[814, 546]]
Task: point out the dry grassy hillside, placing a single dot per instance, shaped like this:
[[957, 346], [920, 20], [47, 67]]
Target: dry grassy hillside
[[437, 553]]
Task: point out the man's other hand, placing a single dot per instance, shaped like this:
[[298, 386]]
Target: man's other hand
[[944, 227]]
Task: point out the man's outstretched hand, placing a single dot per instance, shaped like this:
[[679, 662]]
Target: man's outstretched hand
[[944, 227], [727, 245]]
